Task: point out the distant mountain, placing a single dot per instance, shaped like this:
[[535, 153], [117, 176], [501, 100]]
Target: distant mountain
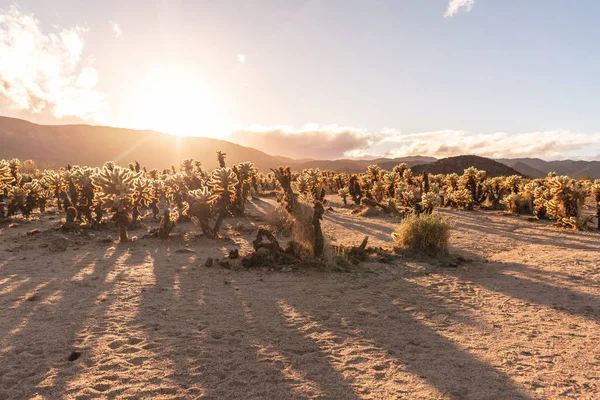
[[347, 165], [525, 169], [459, 163], [59, 145], [576, 169]]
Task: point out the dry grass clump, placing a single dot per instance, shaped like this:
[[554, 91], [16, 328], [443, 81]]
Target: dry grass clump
[[279, 219], [425, 233]]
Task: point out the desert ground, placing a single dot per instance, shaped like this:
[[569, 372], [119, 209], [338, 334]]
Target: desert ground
[[82, 317]]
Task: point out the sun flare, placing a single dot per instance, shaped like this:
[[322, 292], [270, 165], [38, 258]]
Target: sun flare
[[174, 102]]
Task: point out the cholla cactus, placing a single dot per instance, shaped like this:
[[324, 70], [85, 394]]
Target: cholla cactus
[[187, 166], [462, 198], [595, 190], [391, 180], [302, 184], [378, 190], [399, 169], [115, 189], [406, 195], [223, 182], [374, 172], [142, 195], [246, 174], [54, 182], [15, 165], [429, 201], [6, 177], [512, 183], [513, 201], [567, 198], [200, 203], [344, 193], [17, 201]]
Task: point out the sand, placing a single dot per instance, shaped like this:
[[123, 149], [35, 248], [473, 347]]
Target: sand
[[518, 320]]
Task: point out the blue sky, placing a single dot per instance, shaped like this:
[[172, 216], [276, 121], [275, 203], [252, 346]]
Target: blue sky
[[342, 77]]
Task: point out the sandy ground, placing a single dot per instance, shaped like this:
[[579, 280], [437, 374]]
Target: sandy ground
[[519, 321]]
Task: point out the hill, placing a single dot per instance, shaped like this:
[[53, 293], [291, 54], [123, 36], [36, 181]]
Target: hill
[[459, 163], [347, 165], [572, 168], [58, 145]]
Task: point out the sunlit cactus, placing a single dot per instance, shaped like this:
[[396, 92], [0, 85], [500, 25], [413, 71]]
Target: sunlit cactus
[[221, 158], [302, 184], [400, 168], [6, 178], [142, 194], [378, 190], [429, 201], [115, 189], [344, 193], [514, 202], [374, 172], [17, 201], [462, 198]]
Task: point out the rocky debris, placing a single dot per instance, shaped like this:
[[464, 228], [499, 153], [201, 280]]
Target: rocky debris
[[74, 355], [184, 251], [58, 245]]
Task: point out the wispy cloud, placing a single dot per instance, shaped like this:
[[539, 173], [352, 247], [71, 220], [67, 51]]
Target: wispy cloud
[[310, 141], [46, 71], [455, 6], [116, 29], [333, 142], [545, 144], [241, 57]]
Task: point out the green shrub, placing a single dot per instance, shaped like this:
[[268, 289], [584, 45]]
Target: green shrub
[[425, 233]]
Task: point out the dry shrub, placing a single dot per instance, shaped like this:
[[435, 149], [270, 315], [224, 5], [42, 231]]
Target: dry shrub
[[425, 233], [302, 222], [278, 219]]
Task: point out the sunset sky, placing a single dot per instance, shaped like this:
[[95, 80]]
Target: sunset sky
[[319, 79]]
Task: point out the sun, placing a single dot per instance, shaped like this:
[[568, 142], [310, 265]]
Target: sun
[[172, 101]]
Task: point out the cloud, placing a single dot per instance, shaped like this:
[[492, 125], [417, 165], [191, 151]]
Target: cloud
[[241, 57], [310, 141], [42, 71], [333, 142], [445, 143], [116, 29], [455, 6]]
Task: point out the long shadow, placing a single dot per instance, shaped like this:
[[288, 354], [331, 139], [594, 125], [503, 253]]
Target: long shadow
[[202, 335], [289, 351], [538, 291], [474, 223], [360, 226], [58, 324], [418, 347]]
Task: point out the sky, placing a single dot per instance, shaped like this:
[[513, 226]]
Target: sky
[[315, 78]]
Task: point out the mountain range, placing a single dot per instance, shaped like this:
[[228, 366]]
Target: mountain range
[[59, 145]]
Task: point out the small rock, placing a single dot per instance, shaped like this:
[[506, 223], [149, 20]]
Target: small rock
[[58, 245], [33, 232], [234, 254], [13, 225], [107, 239], [74, 355], [184, 250], [209, 262], [34, 297]]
